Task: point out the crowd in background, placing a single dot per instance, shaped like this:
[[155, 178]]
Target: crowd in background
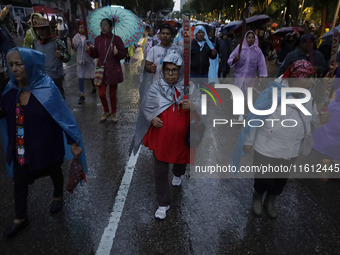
[[165, 115]]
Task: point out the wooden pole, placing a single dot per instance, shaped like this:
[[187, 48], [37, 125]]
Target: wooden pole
[[336, 14]]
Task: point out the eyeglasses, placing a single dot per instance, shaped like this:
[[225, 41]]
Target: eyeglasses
[[173, 71]]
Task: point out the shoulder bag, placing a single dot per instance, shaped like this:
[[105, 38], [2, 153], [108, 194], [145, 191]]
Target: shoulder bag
[[99, 74]]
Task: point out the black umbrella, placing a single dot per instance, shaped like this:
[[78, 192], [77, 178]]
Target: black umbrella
[[285, 30], [231, 25], [255, 21]]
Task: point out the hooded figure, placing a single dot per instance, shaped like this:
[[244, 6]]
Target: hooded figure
[[248, 63], [43, 89], [30, 33], [179, 40], [62, 30], [160, 96], [163, 124], [62, 27], [36, 125], [202, 50]]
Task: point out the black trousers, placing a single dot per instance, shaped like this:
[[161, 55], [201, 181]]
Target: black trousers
[[59, 83], [271, 185], [161, 170], [21, 183], [223, 74]]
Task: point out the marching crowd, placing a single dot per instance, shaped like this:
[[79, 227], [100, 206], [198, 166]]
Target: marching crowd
[[32, 90]]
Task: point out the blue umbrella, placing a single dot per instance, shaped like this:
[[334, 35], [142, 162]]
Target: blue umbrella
[[215, 24], [231, 26], [330, 32], [127, 25]]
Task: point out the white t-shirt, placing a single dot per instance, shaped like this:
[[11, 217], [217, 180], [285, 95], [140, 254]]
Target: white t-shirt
[[157, 54]]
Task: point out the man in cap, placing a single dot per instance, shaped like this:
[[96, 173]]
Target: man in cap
[[303, 52], [55, 50]]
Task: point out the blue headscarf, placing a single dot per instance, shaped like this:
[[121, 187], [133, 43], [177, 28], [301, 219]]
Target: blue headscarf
[[47, 93], [206, 38], [179, 36], [214, 63]]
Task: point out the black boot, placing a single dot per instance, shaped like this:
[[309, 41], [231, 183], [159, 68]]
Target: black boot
[[56, 206], [269, 203], [13, 229], [257, 204], [93, 92], [81, 100]]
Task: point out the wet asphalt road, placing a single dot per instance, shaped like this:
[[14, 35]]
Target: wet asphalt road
[[207, 216]]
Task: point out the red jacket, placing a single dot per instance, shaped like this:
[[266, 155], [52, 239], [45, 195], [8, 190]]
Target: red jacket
[[113, 70]]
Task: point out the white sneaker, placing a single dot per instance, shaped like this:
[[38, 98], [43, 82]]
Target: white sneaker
[[161, 212], [176, 181], [240, 118]]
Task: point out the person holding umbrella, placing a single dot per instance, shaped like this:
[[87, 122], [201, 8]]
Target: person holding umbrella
[[111, 45], [248, 61]]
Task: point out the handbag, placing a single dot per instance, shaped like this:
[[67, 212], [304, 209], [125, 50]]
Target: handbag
[[76, 175], [307, 141], [194, 138], [99, 74]]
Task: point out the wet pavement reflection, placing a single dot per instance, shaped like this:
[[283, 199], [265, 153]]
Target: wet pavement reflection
[[207, 216]]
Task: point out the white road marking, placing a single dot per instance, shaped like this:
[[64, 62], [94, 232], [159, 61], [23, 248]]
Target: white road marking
[[67, 67], [109, 234]]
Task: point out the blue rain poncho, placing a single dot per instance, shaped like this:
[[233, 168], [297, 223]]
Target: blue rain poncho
[[46, 92]]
